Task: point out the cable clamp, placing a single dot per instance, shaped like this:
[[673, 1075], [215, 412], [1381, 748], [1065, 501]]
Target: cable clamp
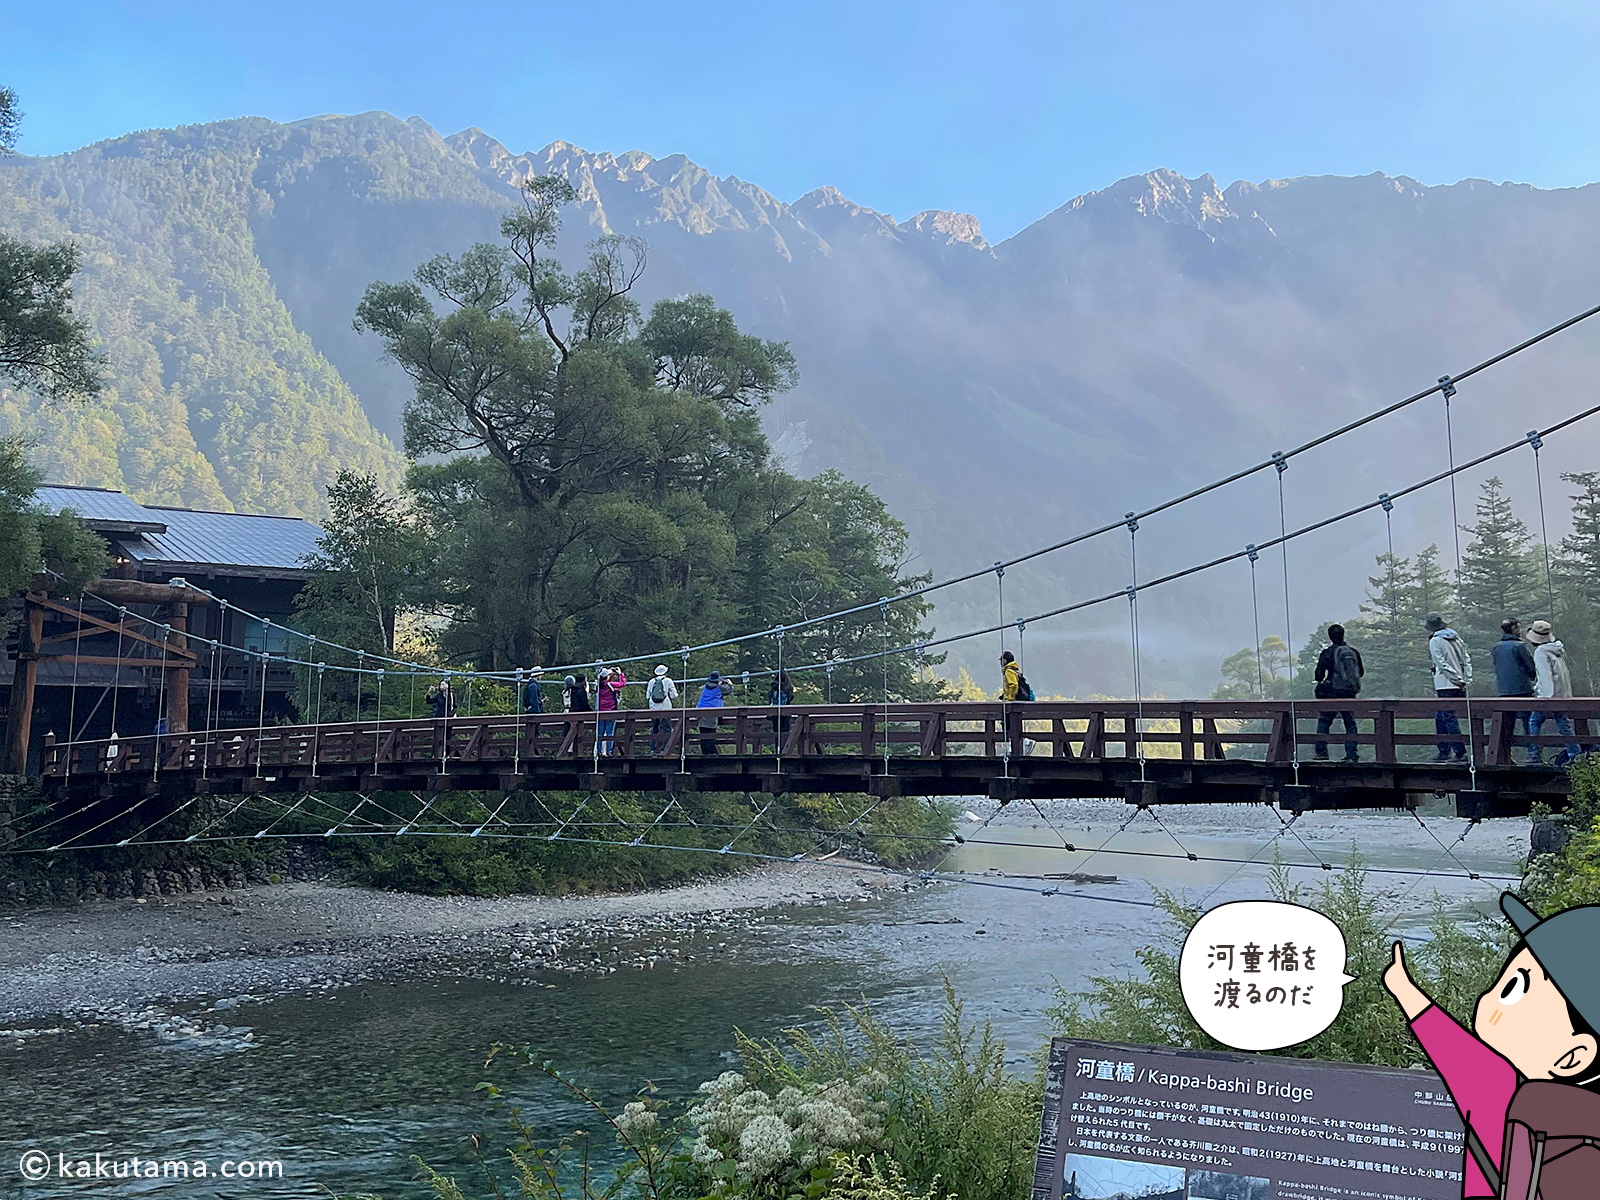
[[1534, 439], [1000, 570], [778, 632], [1021, 625], [1252, 552], [1131, 520], [1388, 504], [883, 605], [321, 667], [1130, 592], [1447, 387], [1279, 461]]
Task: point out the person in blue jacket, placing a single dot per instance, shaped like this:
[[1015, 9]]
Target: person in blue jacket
[[710, 697]]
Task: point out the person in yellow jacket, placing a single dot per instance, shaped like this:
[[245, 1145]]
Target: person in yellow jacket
[[1011, 690], [1010, 676]]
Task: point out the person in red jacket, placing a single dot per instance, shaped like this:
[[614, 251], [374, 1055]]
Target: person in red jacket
[[609, 682]]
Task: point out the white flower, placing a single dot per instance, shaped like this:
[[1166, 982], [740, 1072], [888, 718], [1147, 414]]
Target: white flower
[[729, 1083], [703, 1152], [636, 1119], [764, 1145]]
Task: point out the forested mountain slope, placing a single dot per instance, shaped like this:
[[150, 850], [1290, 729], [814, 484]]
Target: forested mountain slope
[[1135, 341]]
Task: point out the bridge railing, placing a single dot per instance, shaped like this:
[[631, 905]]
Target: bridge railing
[[1267, 732]]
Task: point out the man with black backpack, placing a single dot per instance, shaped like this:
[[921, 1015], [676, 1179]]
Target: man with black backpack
[[1339, 672], [661, 695]]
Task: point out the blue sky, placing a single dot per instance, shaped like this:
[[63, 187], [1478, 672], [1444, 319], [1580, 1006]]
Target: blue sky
[[1004, 110]]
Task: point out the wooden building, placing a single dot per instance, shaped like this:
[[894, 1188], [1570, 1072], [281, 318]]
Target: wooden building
[[96, 669]]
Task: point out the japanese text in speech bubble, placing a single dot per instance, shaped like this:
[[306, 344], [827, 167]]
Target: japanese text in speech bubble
[[1262, 975]]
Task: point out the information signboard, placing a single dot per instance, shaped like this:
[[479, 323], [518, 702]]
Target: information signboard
[[1151, 1123]]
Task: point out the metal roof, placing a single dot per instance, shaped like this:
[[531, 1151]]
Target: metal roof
[[226, 539], [155, 535], [100, 507]]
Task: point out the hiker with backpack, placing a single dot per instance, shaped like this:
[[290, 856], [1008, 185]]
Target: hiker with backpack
[[1014, 687], [661, 696], [1338, 676], [1526, 1080]]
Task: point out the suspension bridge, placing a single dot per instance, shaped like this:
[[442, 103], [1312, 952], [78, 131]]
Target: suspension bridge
[[1151, 752]]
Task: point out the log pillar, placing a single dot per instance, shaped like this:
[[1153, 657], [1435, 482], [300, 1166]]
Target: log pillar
[[24, 679], [178, 676]]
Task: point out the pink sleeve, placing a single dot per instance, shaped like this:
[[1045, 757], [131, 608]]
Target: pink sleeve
[[1480, 1081]]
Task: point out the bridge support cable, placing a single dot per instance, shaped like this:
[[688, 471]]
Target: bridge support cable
[[161, 702], [1447, 389], [116, 678], [1283, 828], [1005, 704], [883, 608], [261, 708], [72, 702], [756, 821], [1282, 464], [1446, 851], [1537, 443], [1133, 638], [1255, 614], [777, 724], [494, 814]]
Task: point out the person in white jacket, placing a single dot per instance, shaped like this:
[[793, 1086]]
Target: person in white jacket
[[1452, 675], [661, 696], [1553, 682]]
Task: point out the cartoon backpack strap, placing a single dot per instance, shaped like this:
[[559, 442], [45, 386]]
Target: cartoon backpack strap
[[1480, 1155]]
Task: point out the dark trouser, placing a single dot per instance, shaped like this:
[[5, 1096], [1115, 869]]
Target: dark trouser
[[1325, 722], [708, 745], [1537, 721], [660, 731], [1446, 722]]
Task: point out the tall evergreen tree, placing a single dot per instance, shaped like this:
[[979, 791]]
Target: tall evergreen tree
[[1388, 631], [1578, 569], [1498, 575]]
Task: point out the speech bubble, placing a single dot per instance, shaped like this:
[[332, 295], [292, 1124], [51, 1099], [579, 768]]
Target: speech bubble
[[1262, 974]]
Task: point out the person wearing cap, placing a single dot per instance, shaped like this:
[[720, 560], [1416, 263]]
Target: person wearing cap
[[1535, 1024], [710, 697], [1552, 681], [1514, 673], [532, 693], [661, 695], [1452, 673]]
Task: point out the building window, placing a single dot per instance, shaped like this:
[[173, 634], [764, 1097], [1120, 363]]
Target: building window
[[259, 636]]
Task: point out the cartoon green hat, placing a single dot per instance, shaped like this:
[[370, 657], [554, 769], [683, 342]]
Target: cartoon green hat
[[1565, 945]]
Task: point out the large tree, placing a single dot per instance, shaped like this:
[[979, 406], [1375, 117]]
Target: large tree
[[43, 347], [595, 483], [1498, 577]]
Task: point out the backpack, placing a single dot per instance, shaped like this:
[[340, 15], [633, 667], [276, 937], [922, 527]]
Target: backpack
[[658, 690], [1024, 688], [1552, 1143], [1344, 676]]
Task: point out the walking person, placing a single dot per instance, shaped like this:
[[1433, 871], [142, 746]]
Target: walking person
[[661, 696], [1452, 675], [1014, 688], [1514, 672], [781, 697], [1338, 676], [1553, 682], [711, 696], [532, 693], [575, 698], [609, 682]]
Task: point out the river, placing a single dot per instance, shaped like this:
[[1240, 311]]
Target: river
[[344, 1086]]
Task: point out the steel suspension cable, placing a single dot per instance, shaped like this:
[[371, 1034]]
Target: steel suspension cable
[[1447, 389], [1537, 443]]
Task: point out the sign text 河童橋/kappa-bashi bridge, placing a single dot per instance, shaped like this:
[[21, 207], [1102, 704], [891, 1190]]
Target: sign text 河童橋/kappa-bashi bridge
[[1160, 752]]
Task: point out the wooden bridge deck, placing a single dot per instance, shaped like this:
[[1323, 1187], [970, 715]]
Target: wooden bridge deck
[[1192, 752]]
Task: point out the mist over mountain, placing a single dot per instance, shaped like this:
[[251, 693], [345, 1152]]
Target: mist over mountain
[[1133, 343]]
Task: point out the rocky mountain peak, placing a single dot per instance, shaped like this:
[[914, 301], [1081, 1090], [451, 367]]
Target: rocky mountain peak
[[947, 228]]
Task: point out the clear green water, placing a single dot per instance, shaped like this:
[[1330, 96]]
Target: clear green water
[[345, 1087]]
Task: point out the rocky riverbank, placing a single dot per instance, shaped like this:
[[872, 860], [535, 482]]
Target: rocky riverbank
[[113, 960]]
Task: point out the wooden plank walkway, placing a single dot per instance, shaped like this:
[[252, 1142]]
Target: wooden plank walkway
[[1163, 752]]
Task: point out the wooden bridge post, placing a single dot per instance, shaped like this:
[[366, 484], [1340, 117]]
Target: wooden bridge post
[[1383, 728], [178, 675], [25, 676], [869, 732]]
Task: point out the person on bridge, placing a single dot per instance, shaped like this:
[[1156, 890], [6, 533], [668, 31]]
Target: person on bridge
[[1514, 672], [1452, 674], [781, 696], [1553, 681], [440, 702], [1014, 688], [532, 693], [710, 697], [1338, 676], [609, 682], [661, 696]]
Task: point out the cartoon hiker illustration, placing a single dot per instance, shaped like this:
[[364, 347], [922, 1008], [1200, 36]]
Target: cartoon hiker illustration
[[1528, 1084]]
